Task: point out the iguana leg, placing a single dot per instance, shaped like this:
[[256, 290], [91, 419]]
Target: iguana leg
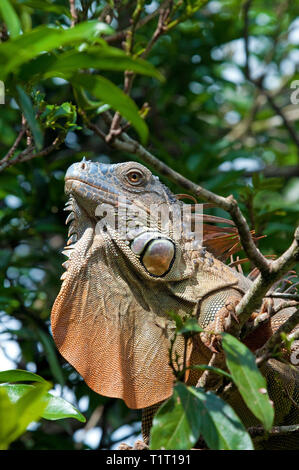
[[146, 424], [215, 312], [147, 420]]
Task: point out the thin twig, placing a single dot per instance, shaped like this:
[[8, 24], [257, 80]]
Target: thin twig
[[246, 8], [92, 126], [129, 75], [29, 154], [160, 29], [115, 128], [209, 379], [91, 423], [121, 35], [14, 146], [280, 113], [74, 14], [283, 295]]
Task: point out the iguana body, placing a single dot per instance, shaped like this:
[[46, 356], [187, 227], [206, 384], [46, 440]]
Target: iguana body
[[110, 319]]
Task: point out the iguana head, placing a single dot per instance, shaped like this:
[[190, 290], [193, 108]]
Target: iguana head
[[135, 210], [111, 318], [96, 183]]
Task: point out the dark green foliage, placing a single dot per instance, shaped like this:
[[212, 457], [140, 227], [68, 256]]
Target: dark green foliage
[[191, 412]]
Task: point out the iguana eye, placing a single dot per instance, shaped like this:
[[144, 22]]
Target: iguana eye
[[135, 177]]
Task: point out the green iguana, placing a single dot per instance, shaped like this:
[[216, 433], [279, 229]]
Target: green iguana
[[111, 317]]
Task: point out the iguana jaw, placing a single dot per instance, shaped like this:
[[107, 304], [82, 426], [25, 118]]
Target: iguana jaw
[[87, 193], [84, 197]]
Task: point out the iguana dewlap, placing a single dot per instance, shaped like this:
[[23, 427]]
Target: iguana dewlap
[[110, 319]]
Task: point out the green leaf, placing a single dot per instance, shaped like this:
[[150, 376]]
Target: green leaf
[[18, 375], [31, 405], [19, 410], [8, 415], [24, 48], [211, 368], [105, 90], [54, 407], [191, 412], [102, 58], [179, 323], [62, 117], [249, 380], [220, 426], [29, 113], [10, 18], [190, 326], [45, 5], [171, 428], [58, 408]]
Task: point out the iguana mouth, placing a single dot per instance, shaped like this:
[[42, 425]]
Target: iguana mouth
[[80, 189]]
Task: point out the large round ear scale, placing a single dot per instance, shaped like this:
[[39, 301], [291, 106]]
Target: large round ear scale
[[155, 251], [139, 243], [158, 256]]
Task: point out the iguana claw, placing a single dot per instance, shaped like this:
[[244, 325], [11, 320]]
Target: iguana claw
[[211, 337]]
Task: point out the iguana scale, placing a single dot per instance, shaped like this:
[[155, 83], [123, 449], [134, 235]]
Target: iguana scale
[[111, 317]]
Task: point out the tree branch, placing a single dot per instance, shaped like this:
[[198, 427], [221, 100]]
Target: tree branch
[[257, 431], [14, 147], [251, 301], [164, 11], [120, 35], [29, 154]]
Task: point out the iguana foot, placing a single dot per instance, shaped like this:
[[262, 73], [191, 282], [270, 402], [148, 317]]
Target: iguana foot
[[211, 337], [264, 314], [124, 446], [138, 445]]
